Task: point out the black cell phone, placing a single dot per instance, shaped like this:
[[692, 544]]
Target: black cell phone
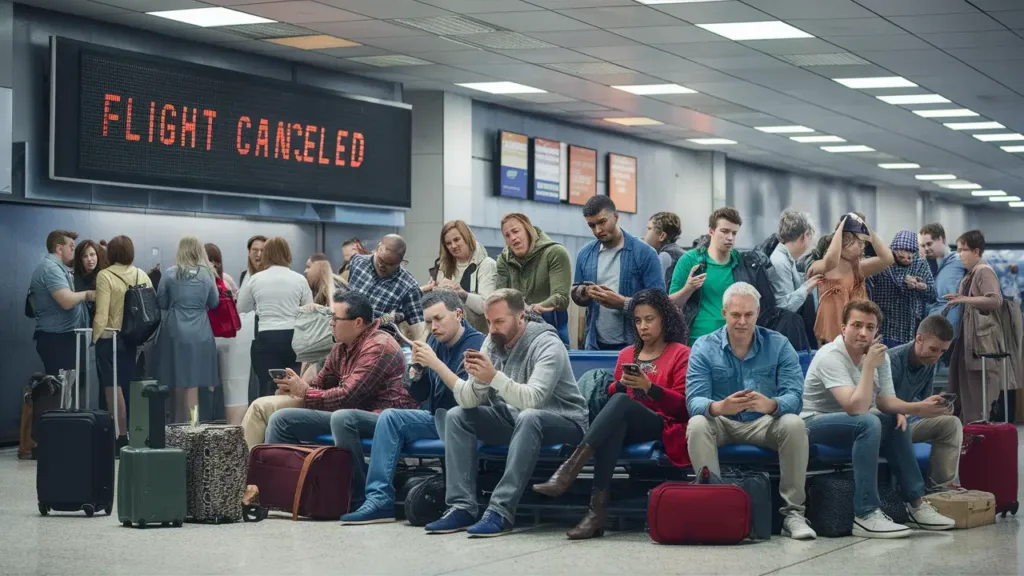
[[702, 268], [948, 397], [631, 369], [278, 373]]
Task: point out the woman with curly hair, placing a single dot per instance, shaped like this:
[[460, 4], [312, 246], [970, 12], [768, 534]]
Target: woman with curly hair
[[646, 402]]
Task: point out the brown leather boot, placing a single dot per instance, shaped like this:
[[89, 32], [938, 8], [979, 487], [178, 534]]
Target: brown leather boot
[[566, 473], [593, 521]]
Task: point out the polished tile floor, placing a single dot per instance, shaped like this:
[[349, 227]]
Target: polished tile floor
[[75, 545]]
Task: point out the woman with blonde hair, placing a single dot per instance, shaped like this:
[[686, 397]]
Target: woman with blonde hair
[[323, 282], [186, 350], [464, 267]]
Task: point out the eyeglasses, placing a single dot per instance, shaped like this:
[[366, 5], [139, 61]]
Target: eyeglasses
[[338, 319]]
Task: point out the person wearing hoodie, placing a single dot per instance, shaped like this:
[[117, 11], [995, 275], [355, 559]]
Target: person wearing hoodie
[[436, 366], [903, 290], [609, 271], [539, 268], [464, 267], [663, 229], [946, 268], [520, 391]]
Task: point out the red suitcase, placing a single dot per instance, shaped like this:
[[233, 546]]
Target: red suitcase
[[309, 481], [685, 513], [989, 460]]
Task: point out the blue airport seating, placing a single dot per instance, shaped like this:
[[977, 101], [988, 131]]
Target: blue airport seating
[[583, 361]]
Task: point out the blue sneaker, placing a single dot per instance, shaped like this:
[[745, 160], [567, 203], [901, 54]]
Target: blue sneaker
[[454, 520], [491, 525], [369, 513]]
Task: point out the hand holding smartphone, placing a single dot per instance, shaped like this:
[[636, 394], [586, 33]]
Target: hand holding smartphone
[[631, 369], [278, 373]]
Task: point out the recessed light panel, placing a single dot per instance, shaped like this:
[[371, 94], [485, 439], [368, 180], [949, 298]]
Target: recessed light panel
[[1004, 199], [960, 185], [502, 88], [210, 17], [1016, 204], [905, 99], [655, 89], [974, 126], [899, 166], [847, 149], [1011, 137], [932, 177], [876, 82], [1013, 149], [988, 193], [315, 42], [816, 139], [711, 141], [635, 121], [746, 31], [784, 129], [948, 113]]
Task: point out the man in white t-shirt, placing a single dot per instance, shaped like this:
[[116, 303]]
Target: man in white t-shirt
[[849, 401]]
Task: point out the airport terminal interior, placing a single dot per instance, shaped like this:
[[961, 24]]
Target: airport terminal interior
[[517, 287]]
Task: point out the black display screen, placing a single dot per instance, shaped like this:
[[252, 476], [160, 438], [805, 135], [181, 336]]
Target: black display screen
[[129, 119]]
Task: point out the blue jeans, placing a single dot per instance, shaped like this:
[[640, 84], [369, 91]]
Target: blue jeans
[[395, 428], [870, 435]]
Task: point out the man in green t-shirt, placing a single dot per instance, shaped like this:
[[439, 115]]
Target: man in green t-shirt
[[702, 275]]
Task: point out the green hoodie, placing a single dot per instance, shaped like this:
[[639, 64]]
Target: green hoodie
[[543, 275]]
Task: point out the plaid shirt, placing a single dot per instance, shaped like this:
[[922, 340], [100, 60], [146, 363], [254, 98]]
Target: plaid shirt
[[396, 292], [368, 375], [902, 307]]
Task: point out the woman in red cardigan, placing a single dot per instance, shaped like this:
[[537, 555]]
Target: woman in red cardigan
[[646, 402]]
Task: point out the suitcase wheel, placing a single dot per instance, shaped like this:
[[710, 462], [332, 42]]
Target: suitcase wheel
[[177, 523], [165, 524], [89, 510], [44, 509], [126, 523], [142, 523]]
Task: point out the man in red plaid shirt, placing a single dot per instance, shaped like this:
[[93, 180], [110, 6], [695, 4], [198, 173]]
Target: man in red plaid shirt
[[363, 375]]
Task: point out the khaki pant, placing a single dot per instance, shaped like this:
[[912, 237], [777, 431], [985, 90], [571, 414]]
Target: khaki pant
[[254, 424], [786, 435], [946, 435]]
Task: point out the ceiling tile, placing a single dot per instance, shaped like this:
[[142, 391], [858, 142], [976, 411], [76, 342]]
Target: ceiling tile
[[668, 34], [709, 49], [388, 8], [808, 9], [971, 55], [535, 21], [990, 39], [364, 29], [794, 46], [548, 55], [1011, 18], [662, 66], [847, 27], [713, 12], [623, 17], [463, 57], [481, 6], [946, 23], [563, 4], [880, 42], [355, 51], [150, 5], [583, 39], [996, 5], [579, 106], [742, 62], [442, 73], [234, 2], [628, 53], [545, 98], [917, 7], [301, 12], [76, 7], [415, 44]]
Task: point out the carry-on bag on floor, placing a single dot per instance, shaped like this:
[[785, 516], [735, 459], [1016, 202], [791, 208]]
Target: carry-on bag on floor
[[151, 485], [989, 459], [216, 459], [758, 486], [75, 453], [698, 513], [314, 482], [830, 503]]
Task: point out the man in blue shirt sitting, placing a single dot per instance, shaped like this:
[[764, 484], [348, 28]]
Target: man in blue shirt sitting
[[436, 367], [744, 385], [58, 309]]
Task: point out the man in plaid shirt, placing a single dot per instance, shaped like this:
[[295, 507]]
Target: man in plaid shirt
[[390, 288], [363, 375], [902, 290]]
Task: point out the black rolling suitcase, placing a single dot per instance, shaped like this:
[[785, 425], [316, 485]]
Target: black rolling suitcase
[[75, 469]]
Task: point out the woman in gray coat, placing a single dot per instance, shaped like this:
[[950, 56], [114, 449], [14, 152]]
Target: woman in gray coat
[[187, 349]]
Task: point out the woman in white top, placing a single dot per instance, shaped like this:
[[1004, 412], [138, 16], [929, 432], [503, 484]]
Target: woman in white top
[[464, 267], [276, 293]]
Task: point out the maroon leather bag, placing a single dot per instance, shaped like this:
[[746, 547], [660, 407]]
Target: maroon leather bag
[[685, 513], [309, 481]]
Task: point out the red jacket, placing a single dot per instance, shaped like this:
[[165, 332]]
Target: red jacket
[[669, 374]]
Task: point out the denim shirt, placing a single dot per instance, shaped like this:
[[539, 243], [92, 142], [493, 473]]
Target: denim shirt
[[639, 268], [50, 276], [947, 281], [771, 368]]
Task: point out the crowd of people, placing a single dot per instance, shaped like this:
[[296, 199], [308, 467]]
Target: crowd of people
[[707, 340]]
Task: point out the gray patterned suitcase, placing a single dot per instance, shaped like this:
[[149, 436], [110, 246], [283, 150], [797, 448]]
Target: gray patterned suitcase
[[217, 460]]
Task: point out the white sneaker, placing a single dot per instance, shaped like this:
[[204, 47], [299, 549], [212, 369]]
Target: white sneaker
[[878, 525], [926, 517], [795, 526]]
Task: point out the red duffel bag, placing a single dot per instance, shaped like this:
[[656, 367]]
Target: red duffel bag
[[698, 513], [314, 482]]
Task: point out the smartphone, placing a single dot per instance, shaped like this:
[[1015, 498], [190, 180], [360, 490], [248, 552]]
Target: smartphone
[[948, 397], [278, 373], [631, 369], [702, 268]]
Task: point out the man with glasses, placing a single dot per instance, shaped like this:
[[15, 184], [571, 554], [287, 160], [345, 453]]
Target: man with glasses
[[390, 288]]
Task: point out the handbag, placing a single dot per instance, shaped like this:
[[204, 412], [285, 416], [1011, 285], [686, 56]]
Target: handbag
[[698, 512], [224, 318], [314, 482]]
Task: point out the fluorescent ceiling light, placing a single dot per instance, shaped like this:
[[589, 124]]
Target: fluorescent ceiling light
[[845, 149], [315, 42], [1013, 148], [960, 185], [930, 177], [711, 141], [1016, 204], [899, 165], [876, 82], [210, 17], [914, 99], [652, 89], [988, 193], [635, 121], [502, 88], [947, 113], [744, 31], [784, 129], [1004, 199], [816, 139], [974, 126], [999, 137]]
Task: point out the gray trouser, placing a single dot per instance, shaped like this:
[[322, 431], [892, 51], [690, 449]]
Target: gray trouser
[[946, 435], [525, 433], [786, 435]]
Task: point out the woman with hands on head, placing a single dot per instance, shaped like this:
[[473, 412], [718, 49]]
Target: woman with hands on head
[[647, 402]]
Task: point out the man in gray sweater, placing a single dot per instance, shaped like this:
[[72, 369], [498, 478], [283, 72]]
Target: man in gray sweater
[[520, 391], [913, 371]]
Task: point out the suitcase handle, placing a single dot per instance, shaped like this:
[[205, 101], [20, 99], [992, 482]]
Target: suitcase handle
[[986, 407], [313, 456]]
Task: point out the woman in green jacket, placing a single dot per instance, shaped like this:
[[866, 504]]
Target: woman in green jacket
[[537, 266]]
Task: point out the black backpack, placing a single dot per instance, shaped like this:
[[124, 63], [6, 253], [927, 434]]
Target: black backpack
[[141, 314]]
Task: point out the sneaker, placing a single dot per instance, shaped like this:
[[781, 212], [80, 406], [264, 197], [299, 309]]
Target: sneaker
[[878, 525], [454, 520], [369, 514], [795, 526], [926, 517], [491, 525]]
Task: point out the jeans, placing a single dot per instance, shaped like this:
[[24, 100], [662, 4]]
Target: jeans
[[870, 435], [525, 432], [622, 421], [269, 350], [395, 428], [296, 425]]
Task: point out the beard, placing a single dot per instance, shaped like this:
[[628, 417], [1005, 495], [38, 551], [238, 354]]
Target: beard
[[501, 340]]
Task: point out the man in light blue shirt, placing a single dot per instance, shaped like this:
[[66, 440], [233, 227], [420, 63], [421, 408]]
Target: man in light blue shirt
[[744, 385], [795, 236], [946, 268], [58, 309]]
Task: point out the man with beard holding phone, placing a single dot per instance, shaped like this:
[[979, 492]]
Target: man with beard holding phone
[[520, 391]]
